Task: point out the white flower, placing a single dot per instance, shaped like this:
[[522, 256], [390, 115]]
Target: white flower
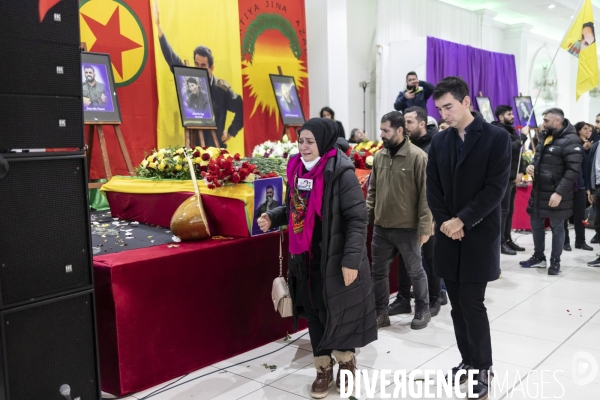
[[369, 161]]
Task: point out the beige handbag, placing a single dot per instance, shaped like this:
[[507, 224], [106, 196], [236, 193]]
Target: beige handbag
[[280, 294]]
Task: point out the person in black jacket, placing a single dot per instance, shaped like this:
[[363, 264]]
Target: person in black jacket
[[420, 136], [327, 112], [224, 99], [416, 94], [329, 273], [506, 119], [581, 192], [555, 169], [467, 173]]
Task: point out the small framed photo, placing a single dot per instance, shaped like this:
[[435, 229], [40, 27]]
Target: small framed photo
[[195, 101], [524, 110], [485, 108], [100, 103], [288, 102], [268, 195]]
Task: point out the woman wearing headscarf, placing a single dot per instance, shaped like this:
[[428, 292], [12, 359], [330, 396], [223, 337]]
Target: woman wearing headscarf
[[329, 273]]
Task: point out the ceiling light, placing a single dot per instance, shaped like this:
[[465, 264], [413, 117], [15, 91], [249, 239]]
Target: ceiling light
[[551, 6]]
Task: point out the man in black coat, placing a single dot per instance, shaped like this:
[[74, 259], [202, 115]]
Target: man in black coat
[[416, 94], [467, 174], [555, 168], [506, 119]]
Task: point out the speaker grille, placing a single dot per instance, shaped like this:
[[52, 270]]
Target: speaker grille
[[50, 344], [21, 19], [30, 67], [45, 238], [31, 122]]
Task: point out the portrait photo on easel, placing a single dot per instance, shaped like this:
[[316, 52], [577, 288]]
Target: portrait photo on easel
[[100, 103], [288, 102], [195, 101]]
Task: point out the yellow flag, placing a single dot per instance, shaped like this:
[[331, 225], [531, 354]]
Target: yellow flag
[[580, 41]]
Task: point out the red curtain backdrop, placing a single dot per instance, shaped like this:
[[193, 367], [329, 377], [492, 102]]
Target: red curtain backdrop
[[269, 41], [137, 95]]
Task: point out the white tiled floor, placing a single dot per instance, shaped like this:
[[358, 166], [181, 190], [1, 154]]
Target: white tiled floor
[[538, 322]]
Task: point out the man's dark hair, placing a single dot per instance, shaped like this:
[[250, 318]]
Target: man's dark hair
[[412, 73], [270, 187], [441, 121], [589, 25], [87, 66], [555, 111], [192, 80], [204, 51], [329, 110], [454, 85], [395, 118], [598, 115], [421, 113], [353, 133], [501, 110]]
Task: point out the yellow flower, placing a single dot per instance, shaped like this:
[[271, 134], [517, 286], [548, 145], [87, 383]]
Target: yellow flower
[[160, 156], [180, 151], [250, 178], [145, 163], [162, 151], [214, 152], [161, 167], [178, 167], [198, 160], [150, 158], [152, 165]]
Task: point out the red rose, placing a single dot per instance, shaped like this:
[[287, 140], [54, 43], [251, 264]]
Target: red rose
[[205, 156], [196, 154], [349, 151], [218, 184], [223, 151], [211, 186], [204, 168], [235, 178], [203, 173], [237, 157]]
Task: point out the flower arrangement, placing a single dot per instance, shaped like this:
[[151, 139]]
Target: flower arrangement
[[217, 166], [363, 153], [277, 149]]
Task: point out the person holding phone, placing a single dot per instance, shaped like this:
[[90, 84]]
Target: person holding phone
[[416, 94]]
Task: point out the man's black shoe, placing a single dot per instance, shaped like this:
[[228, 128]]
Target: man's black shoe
[[596, 262], [567, 247], [400, 306], [514, 246], [481, 389], [443, 298], [594, 239], [554, 268], [505, 249], [383, 320], [434, 306], [583, 246], [463, 378]]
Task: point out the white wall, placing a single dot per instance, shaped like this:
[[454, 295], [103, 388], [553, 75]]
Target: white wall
[[361, 27]]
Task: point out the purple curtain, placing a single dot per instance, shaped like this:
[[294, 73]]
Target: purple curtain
[[492, 74]]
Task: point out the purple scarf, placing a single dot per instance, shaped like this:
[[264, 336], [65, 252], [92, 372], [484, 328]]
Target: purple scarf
[[304, 205]]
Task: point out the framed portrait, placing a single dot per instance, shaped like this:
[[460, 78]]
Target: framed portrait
[[524, 110], [100, 103], [288, 102], [195, 101], [485, 108], [268, 195]]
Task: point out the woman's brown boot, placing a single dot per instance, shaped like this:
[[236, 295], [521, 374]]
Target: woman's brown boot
[[320, 387], [346, 361]]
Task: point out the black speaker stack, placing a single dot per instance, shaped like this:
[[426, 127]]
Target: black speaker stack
[[48, 344]]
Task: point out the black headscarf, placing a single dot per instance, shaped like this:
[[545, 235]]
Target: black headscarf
[[325, 131]]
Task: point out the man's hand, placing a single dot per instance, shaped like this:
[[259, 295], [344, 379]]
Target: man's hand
[[458, 235], [452, 227], [519, 178], [525, 130], [587, 145], [530, 170], [423, 239], [157, 19], [409, 95], [349, 275], [264, 222], [103, 98], [590, 197], [226, 136], [555, 200], [432, 228]]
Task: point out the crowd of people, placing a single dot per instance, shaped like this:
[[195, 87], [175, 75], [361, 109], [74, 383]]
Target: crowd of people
[[440, 198]]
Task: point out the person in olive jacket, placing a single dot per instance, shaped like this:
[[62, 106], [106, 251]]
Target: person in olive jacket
[[329, 273], [555, 169]]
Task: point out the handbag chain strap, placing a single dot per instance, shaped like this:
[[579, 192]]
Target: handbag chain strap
[[280, 252]]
